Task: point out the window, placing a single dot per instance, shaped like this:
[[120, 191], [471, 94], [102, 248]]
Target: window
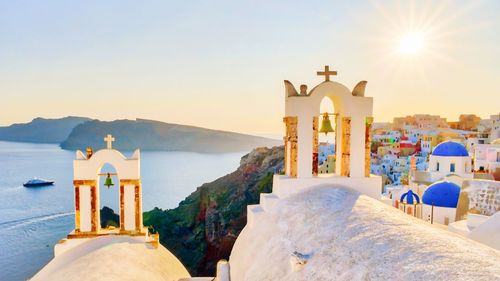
[[437, 166], [452, 167]]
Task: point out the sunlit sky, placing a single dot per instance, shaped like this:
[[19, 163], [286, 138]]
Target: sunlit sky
[[221, 64]]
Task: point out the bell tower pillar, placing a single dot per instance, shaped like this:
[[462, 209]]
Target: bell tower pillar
[[130, 205], [291, 145]]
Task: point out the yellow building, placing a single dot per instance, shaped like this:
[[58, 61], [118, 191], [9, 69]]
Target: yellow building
[[328, 165]]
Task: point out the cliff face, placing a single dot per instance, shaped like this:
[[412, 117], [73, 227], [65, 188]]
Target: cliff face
[[155, 135], [204, 227]]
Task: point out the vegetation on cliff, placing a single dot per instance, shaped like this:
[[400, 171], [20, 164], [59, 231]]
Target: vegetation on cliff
[[204, 227], [109, 217]]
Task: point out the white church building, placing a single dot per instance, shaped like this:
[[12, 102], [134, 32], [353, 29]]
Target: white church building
[[129, 252], [449, 161]]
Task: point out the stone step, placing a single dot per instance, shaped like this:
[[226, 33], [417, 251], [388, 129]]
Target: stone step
[[253, 214], [268, 201]]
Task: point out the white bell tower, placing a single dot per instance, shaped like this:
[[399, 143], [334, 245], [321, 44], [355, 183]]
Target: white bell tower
[[87, 200], [353, 121]]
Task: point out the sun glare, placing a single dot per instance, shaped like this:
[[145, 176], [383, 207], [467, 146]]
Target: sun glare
[[411, 43]]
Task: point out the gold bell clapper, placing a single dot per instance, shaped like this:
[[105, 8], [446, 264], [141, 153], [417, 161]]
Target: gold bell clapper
[[326, 124], [109, 181]]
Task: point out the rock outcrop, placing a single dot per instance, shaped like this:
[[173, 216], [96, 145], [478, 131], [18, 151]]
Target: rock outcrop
[[204, 227]]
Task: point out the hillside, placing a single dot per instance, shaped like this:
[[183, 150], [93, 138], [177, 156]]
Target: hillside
[[41, 130], [204, 227], [155, 135]]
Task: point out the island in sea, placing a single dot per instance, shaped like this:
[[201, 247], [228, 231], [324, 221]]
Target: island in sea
[[74, 133], [41, 130]]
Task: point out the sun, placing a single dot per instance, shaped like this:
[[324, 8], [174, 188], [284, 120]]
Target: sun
[[411, 43]]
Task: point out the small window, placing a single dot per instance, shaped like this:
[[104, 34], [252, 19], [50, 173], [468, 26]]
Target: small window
[[437, 166], [452, 167]]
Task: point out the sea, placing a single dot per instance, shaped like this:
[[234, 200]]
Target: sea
[[33, 220]]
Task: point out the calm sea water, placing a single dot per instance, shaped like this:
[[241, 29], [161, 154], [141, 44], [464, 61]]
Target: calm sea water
[[32, 220]]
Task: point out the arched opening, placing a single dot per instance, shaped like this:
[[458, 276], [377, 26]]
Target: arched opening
[[109, 197], [326, 143]]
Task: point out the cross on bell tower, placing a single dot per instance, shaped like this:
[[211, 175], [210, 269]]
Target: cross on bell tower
[[326, 73], [109, 141]]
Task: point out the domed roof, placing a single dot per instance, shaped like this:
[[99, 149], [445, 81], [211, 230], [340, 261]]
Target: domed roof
[[356, 223], [409, 197], [113, 258], [450, 148], [442, 194]]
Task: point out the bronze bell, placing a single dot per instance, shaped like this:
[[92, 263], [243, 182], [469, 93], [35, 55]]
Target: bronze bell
[[326, 125], [108, 182]]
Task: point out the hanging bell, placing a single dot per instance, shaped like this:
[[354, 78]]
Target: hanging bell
[[326, 125], [108, 182]]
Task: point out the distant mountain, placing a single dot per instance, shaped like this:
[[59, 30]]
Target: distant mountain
[[41, 130], [155, 135]]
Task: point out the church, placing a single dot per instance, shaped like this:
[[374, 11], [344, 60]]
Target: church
[[313, 226], [128, 252]]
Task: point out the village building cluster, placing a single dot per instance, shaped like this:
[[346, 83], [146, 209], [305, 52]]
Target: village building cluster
[[446, 173], [408, 142]]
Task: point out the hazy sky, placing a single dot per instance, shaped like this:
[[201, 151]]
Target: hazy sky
[[221, 64]]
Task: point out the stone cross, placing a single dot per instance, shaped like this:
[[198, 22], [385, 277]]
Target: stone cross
[[326, 73], [109, 141]]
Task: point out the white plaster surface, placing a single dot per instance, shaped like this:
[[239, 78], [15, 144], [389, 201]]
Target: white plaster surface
[[439, 214], [459, 227], [354, 237], [488, 232], [114, 258], [284, 186], [68, 244], [129, 206], [463, 166], [85, 210], [126, 168]]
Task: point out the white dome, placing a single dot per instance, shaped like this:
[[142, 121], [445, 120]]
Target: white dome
[[114, 258], [348, 236]]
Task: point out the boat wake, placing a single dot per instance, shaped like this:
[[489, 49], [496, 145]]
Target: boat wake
[[27, 221], [11, 189]]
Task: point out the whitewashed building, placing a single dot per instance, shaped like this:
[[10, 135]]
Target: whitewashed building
[[487, 156], [440, 201]]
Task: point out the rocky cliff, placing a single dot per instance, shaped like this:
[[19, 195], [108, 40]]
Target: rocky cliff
[[204, 227]]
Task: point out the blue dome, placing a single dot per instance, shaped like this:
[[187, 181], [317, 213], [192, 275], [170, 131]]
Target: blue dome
[[442, 194], [450, 148], [409, 197]]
